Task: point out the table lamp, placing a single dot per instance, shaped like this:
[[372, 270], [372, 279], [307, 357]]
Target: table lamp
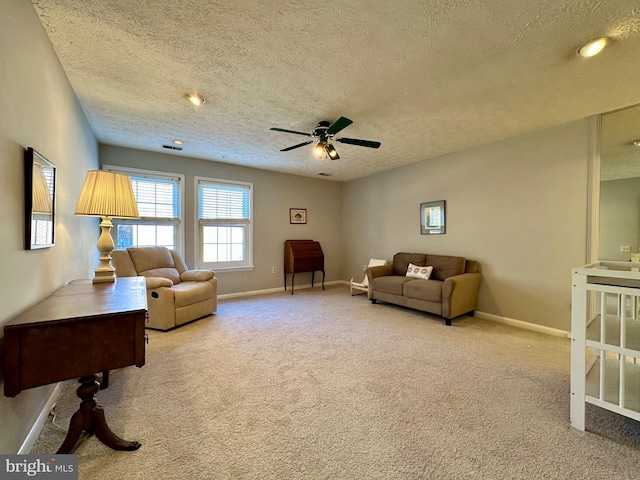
[[106, 195]]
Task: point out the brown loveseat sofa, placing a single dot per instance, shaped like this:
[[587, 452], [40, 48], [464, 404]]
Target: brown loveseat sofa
[[450, 291]]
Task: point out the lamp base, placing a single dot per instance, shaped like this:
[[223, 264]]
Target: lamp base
[[105, 272], [102, 277]]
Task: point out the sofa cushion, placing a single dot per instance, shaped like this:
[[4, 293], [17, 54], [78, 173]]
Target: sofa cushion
[[390, 284], [154, 262], [445, 266], [428, 290], [415, 271], [121, 261], [402, 260], [187, 293]]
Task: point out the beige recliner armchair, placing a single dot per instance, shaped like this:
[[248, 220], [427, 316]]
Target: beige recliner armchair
[[175, 294]]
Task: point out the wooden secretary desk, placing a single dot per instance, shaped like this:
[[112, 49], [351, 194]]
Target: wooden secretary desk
[[302, 256], [81, 329]]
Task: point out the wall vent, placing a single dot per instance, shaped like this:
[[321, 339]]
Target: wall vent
[[172, 147]]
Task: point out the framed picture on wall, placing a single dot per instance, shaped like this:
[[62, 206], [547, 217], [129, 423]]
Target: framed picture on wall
[[297, 215], [432, 218]]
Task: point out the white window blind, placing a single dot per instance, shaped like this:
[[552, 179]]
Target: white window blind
[[157, 198], [223, 202]]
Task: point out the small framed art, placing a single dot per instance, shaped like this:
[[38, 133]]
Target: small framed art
[[432, 218], [297, 215]]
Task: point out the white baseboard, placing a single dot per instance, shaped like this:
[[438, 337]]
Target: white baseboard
[[279, 289], [521, 324], [37, 427]]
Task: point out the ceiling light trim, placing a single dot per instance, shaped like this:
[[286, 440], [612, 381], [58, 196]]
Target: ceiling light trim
[[196, 99], [594, 47]]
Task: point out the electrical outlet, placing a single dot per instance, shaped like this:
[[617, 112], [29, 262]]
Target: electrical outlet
[[625, 248], [273, 270]]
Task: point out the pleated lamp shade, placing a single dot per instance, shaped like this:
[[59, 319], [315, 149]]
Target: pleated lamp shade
[[40, 195], [107, 194]]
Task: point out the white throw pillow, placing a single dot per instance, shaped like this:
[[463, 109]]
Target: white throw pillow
[[419, 272]]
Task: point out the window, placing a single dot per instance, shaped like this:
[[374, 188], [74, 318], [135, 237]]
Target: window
[[159, 199], [224, 223]]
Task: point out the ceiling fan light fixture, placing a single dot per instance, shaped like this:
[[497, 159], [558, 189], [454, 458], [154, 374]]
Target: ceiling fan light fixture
[[319, 150], [196, 99], [331, 151], [594, 47]]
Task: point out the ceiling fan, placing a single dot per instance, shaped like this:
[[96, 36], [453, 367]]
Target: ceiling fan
[[324, 133]]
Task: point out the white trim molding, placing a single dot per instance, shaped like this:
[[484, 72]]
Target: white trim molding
[[38, 425], [522, 324]]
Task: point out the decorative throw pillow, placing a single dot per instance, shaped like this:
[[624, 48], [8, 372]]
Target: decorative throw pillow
[[419, 272]]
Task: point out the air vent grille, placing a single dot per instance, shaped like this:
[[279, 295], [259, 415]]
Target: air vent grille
[[172, 147]]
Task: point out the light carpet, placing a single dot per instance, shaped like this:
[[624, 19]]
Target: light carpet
[[322, 385]]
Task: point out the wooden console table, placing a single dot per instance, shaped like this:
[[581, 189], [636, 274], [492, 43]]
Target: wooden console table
[[302, 256], [81, 329]]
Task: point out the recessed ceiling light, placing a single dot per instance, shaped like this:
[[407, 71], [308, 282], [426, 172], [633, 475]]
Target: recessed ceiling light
[[196, 99], [178, 142], [594, 47], [637, 143]]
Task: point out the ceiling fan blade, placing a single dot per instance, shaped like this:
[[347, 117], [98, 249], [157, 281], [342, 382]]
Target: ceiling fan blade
[[290, 131], [338, 125], [357, 141], [296, 146]]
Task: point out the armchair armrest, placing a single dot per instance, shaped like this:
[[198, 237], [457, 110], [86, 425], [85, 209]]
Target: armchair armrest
[[460, 294], [381, 271], [197, 275], [157, 282]]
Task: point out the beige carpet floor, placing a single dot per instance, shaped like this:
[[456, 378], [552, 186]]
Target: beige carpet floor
[[322, 385]]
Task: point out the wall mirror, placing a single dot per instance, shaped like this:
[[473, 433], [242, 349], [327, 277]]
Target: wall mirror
[[40, 200], [619, 219]]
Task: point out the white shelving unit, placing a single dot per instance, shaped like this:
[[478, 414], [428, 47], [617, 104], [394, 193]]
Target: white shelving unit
[[605, 339]]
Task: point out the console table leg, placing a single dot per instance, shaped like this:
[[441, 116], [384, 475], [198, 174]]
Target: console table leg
[[75, 429], [105, 380], [106, 436], [90, 418]]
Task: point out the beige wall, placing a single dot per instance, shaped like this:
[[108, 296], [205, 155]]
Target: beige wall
[[39, 110], [274, 193], [517, 206], [619, 218]]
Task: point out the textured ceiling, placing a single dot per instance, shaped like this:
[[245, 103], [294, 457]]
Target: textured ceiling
[[425, 78], [620, 158]]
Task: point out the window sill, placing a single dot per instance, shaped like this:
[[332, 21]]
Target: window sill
[[230, 269]]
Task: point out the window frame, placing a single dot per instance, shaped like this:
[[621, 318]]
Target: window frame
[[199, 237], [180, 234]]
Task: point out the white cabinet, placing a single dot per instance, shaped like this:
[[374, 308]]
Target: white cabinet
[[605, 339]]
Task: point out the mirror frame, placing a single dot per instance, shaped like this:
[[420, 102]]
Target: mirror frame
[[31, 159]]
